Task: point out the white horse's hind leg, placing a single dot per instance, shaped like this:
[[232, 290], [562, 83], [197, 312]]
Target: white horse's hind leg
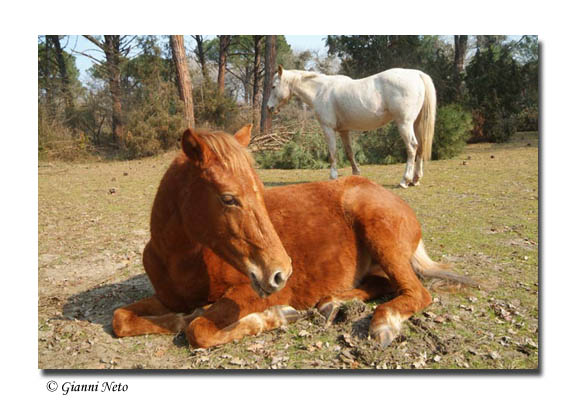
[[408, 135], [332, 143], [349, 151], [418, 169]]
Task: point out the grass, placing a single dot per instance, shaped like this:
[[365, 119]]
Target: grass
[[478, 211]]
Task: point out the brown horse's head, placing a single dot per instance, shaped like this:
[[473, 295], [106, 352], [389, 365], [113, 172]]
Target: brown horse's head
[[223, 208]]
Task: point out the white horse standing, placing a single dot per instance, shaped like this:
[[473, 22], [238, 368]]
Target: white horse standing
[[342, 104]]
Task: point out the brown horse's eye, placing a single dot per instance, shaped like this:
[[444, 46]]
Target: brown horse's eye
[[229, 200]]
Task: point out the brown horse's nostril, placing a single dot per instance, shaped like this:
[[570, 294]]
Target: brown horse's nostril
[[277, 279]]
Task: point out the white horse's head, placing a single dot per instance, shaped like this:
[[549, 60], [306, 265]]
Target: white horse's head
[[280, 92]]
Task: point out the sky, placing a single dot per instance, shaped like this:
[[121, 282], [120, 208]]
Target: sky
[[83, 63]]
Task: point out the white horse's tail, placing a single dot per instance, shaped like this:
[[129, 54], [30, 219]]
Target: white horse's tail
[[424, 266], [425, 123]]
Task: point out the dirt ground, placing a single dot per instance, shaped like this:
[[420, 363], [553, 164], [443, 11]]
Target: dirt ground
[[478, 211]]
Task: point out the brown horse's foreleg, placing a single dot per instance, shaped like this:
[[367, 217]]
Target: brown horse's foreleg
[[148, 316], [372, 287], [240, 312]]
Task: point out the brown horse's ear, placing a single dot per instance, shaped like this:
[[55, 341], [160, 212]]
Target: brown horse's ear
[[280, 70], [243, 135], [195, 148]]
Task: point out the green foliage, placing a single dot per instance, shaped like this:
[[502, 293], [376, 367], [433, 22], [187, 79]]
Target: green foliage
[[152, 128], [155, 119], [241, 58], [452, 130], [152, 110], [528, 119], [382, 146], [495, 82], [214, 109], [364, 55], [498, 127], [304, 151], [48, 72], [300, 152], [56, 141]]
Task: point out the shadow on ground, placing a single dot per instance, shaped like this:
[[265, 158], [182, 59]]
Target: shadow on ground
[[97, 304]]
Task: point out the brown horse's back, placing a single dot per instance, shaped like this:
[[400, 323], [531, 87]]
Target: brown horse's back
[[322, 227]]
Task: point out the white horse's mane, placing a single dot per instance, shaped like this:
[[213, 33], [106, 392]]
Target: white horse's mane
[[305, 74]]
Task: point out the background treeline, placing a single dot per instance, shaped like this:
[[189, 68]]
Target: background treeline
[[134, 104]]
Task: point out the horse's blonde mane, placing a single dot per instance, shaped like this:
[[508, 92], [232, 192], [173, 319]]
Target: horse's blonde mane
[[309, 75], [227, 150], [301, 74]]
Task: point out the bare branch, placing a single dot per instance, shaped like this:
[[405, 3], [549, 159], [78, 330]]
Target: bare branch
[[94, 41], [235, 75], [126, 46], [88, 56]]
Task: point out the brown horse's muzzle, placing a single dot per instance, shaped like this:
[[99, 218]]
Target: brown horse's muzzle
[[268, 282]]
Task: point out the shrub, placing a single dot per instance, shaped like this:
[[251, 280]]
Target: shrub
[[300, 152], [381, 146], [56, 141], [497, 127], [305, 151], [528, 119], [453, 128], [153, 125], [214, 110]]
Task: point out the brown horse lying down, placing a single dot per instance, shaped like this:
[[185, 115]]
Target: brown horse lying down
[[220, 270]]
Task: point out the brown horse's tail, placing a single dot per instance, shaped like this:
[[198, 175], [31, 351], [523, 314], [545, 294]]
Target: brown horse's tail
[[425, 123], [424, 266]]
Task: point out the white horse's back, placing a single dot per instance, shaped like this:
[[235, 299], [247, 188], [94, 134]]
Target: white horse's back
[[370, 102]]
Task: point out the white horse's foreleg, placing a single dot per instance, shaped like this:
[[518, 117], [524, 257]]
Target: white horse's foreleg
[[408, 134], [349, 151], [332, 143]]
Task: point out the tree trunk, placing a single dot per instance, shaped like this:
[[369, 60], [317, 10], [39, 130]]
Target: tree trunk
[[183, 77], [65, 86], [246, 80], [459, 62], [224, 42], [256, 81], [269, 69], [49, 95], [112, 52], [201, 56]]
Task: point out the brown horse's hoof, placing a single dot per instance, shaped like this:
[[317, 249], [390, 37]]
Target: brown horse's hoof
[[287, 313], [329, 311], [384, 335]]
